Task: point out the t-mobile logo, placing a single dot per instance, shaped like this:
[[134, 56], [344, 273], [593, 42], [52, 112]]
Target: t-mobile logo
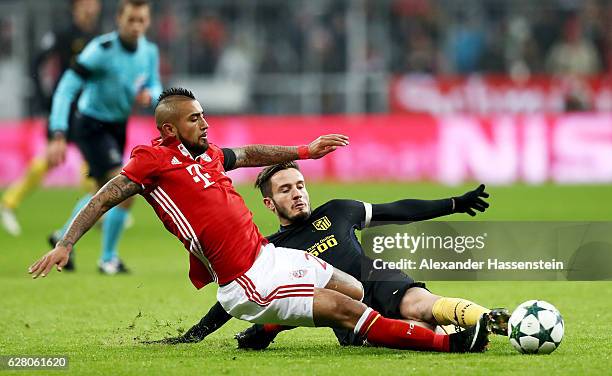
[[199, 175]]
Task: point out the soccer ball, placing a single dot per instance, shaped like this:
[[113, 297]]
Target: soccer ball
[[535, 327]]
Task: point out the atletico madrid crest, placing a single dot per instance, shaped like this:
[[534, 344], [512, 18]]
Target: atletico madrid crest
[[322, 223]]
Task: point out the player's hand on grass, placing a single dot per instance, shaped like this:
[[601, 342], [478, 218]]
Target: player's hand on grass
[[472, 200], [58, 257], [144, 98], [326, 144], [56, 151]]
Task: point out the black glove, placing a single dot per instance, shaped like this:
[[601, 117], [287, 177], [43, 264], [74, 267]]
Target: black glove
[[195, 334], [470, 201], [185, 338], [214, 319], [170, 341]]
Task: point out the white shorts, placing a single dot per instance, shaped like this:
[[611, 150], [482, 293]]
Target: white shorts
[[277, 289]]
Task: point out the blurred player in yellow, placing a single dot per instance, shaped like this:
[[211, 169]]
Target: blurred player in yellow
[[60, 47]]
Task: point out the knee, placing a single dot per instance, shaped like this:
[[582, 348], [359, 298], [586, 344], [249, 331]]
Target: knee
[[347, 310], [334, 309], [355, 290], [346, 284]]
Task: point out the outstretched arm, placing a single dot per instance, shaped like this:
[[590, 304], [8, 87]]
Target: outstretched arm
[[420, 210], [114, 192], [266, 155], [410, 210]]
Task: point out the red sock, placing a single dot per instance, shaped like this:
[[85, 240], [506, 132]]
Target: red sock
[[399, 334], [276, 328]]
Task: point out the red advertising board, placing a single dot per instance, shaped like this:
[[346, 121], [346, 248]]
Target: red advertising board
[[489, 94], [449, 149]]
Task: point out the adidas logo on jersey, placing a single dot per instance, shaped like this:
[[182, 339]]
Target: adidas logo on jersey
[[175, 161]]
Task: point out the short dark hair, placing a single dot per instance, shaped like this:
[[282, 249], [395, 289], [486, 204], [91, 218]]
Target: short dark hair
[[165, 110], [175, 91], [263, 179], [134, 3]]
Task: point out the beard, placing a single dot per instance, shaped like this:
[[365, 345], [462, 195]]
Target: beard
[[296, 218], [194, 148]]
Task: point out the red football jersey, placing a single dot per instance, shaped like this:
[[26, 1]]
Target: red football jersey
[[197, 202]]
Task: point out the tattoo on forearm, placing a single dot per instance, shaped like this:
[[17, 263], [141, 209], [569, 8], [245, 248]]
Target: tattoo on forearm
[[264, 155], [113, 193]]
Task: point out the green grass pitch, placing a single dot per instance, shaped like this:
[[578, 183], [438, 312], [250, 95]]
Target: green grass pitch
[[98, 322]]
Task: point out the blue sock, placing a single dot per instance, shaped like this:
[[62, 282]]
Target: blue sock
[[111, 232], [77, 208]]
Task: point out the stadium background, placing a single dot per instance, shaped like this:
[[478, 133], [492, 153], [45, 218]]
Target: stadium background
[[435, 95]]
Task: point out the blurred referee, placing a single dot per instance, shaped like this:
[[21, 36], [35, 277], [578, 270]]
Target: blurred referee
[[114, 72]]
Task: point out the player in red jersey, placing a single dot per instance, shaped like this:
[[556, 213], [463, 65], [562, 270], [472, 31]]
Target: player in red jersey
[[183, 178]]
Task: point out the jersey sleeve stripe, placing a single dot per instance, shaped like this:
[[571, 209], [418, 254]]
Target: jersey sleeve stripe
[[163, 196], [368, 214], [171, 215], [181, 227], [194, 239]]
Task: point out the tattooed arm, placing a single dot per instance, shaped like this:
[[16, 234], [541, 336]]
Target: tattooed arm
[[266, 155], [113, 193]]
